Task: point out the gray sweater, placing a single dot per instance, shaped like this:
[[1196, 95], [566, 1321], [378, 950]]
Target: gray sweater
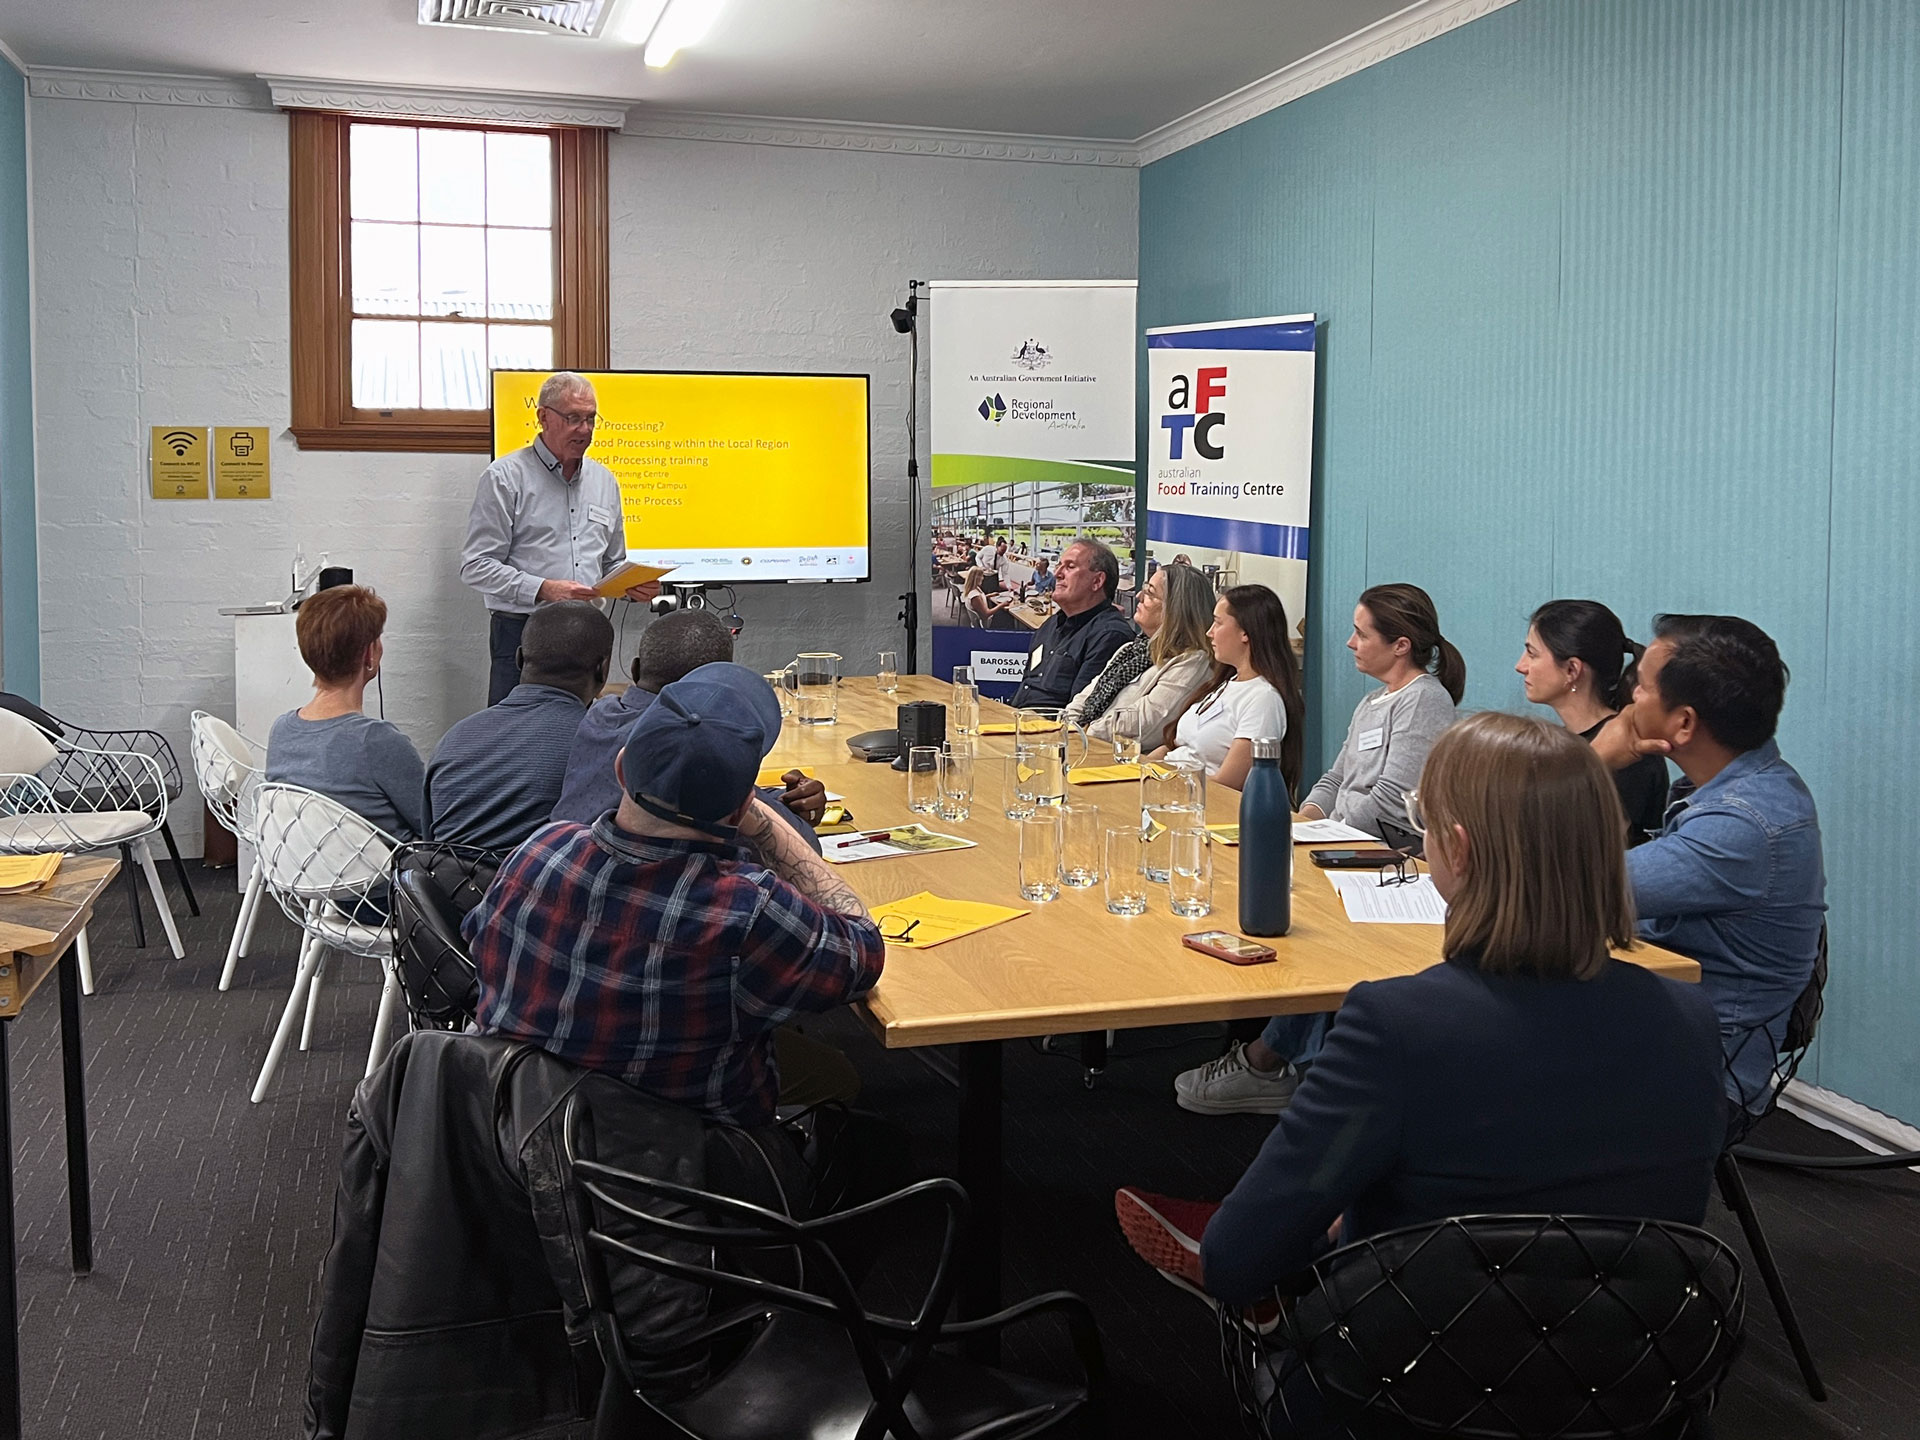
[[364, 763], [1385, 749]]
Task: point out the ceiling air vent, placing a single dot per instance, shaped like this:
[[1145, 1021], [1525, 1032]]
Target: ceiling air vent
[[584, 18]]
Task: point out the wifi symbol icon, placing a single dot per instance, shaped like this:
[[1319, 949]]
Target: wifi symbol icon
[[179, 441]]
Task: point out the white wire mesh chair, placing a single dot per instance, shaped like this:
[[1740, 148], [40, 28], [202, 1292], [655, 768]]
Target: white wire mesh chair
[[229, 768], [328, 869], [98, 800]]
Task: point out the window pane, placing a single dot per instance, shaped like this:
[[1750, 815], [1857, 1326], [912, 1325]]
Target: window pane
[[453, 270], [453, 367], [386, 269], [519, 347], [519, 180], [453, 177], [382, 178], [386, 364], [520, 274]]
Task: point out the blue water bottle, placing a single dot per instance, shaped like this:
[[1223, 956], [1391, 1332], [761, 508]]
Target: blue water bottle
[[1266, 846]]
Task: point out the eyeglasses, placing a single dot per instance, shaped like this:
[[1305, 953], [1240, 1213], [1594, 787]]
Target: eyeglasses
[[574, 418], [1402, 872], [901, 927]]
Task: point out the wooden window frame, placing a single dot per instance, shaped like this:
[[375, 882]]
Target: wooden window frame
[[324, 415]]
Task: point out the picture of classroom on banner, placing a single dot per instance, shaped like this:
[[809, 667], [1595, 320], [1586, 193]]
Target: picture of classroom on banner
[[1230, 454], [1033, 444]]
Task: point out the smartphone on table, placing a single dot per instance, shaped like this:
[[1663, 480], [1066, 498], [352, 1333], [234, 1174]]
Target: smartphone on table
[[1355, 859], [1224, 945]]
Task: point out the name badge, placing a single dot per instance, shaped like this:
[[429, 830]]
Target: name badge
[[1373, 739], [1034, 659], [599, 515]]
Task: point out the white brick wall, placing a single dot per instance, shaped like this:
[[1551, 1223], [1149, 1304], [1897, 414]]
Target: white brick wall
[[161, 284]]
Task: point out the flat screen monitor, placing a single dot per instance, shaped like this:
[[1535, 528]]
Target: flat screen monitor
[[730, 478]]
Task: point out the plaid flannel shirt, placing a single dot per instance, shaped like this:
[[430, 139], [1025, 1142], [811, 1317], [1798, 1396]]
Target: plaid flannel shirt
[[667, 963]]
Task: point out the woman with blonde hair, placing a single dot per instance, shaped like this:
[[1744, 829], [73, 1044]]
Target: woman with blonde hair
[[1532, 1072], [1156, 672], [985, 609]]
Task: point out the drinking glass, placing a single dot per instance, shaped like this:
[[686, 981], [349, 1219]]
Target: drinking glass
[[1079, 846], [886, 675], [782, 691], [1040, 855], [963, 710], [816, 687], [1126, 734], [1190, 876], [956, 781], [1126, 871], [1173, 796], [923, 779], [1016, 793]]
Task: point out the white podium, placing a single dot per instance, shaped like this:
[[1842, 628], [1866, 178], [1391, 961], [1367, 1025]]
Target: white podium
[[269, 679]]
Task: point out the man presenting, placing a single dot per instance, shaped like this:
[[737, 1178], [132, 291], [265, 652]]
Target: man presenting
[[1073, 647], [546, 525]]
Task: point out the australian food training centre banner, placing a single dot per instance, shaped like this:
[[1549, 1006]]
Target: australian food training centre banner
[[1032, 437], [1230, 453]]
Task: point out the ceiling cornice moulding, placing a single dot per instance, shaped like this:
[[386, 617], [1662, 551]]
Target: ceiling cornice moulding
[[877, 139], [1382, 40], [419, 102], [53, 82]]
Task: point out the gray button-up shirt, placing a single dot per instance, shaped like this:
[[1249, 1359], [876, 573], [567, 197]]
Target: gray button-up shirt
[[530, 523]]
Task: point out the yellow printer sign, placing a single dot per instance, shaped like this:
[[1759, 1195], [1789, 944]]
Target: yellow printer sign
[[242, 469]]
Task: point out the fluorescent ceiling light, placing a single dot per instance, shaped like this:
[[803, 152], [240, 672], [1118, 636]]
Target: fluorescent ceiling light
[[686, 22]]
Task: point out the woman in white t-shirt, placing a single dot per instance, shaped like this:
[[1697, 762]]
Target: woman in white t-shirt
[[1253, 693]]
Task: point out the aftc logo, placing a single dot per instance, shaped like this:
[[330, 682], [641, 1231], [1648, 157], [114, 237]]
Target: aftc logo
[[1206, 416], [993, 408]]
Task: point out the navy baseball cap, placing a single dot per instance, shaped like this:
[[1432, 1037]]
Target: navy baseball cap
[[692, 756]]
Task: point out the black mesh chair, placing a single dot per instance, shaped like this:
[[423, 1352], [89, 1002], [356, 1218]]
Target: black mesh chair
[[1518, 1327], [814, 1363], [434, 886], [1759, 1069]]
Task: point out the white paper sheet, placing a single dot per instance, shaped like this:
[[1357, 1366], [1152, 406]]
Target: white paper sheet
[[1369, 902], [1329, 832]]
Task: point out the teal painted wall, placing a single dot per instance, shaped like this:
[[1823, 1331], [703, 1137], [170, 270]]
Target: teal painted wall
[[1622, 300], [19, 549]]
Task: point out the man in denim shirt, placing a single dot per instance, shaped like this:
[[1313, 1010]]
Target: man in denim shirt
[[1734, 879]]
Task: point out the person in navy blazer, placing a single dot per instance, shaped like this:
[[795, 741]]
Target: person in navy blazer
[[1530, 1072]]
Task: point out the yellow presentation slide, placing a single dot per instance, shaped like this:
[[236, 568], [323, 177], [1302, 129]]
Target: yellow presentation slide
[[728, 478]]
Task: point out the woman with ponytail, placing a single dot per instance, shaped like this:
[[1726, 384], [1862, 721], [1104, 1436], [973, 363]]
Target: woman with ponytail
[[1579, 661], [1396, 639]]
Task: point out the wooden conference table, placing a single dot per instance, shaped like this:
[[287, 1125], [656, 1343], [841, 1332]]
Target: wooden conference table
[[37, 934], [1069, 966]]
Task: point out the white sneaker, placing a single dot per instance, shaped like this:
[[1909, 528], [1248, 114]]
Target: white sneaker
[[1230, 1086]]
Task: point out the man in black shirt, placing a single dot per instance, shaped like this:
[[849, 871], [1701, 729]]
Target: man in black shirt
[[1072, 648]]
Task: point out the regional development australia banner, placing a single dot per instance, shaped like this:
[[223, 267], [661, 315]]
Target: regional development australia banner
[[1032, 401], [1230, 453]]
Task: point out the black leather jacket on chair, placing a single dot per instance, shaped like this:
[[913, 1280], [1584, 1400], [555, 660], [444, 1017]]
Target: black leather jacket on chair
[[451, 1304]]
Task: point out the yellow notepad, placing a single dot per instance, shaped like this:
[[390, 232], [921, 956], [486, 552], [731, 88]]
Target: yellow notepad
[[773, 776], [626, 575], [19, 873], [997, 727], [926, 919], [1225, 834], [1102, 774]]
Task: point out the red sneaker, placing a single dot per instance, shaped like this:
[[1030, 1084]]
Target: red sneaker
[[1165, 1232]]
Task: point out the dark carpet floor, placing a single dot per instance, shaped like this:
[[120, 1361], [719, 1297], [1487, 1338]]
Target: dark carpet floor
[[212, 1215]]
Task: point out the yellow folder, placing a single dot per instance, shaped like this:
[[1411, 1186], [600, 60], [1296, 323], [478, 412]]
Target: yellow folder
[[628, 574], [924, 920], [20, 873]]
